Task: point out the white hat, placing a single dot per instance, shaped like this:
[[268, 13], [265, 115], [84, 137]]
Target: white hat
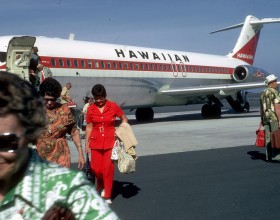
[[270, 79]]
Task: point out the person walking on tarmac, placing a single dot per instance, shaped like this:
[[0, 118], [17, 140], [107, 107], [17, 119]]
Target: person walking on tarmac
[[100, 138], [270, 114]]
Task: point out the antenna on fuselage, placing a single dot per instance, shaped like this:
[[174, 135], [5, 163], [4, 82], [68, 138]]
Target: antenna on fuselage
[[71, 36]]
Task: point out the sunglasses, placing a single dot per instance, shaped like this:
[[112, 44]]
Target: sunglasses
[[50, 99], [8, 142]]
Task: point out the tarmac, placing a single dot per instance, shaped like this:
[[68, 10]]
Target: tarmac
[[192, 168]]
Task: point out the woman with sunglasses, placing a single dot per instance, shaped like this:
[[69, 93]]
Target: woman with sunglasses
[[52, 144], [100, 138], [30, 187]]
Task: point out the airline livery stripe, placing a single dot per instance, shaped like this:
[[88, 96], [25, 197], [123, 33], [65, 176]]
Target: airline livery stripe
[[78, 63]]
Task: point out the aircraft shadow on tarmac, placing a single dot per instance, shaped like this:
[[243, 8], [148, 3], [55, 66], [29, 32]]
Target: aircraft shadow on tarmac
[[196, 116]]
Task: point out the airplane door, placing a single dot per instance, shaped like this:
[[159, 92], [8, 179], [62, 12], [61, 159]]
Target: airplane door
[[19, 54]]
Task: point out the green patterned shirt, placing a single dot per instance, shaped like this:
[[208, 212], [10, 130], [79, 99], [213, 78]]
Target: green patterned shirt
[[45, 184], [269, 97]]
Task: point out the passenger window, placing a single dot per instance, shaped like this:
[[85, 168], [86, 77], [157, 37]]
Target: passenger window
[[89, 64], [125, 65], [142, 66], [109, 65], [121, 66], [102, 65], [76, 63], [115, 65], [131, 66], [137, 66], [68, 62], [61, 62], [183, 68], [96, 64], [53, 62], [147, 67], [83, 63]]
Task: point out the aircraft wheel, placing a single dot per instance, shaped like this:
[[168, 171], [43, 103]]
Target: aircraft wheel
[[205, 110], [144, 114], [211, 111], [217, 112]]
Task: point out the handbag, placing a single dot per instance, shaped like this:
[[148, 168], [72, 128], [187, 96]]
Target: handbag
[[260, 137], [126, 163], [88, 171], [115, 150]]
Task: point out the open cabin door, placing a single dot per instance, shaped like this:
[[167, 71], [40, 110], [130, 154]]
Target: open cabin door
[[19, 54]]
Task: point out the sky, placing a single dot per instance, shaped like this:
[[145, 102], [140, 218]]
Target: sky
[[167, 24]]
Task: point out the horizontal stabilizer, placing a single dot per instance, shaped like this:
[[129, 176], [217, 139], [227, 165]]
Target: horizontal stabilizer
[[252, 22]]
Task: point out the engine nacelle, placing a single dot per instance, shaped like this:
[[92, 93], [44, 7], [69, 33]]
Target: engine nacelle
[[248, 73]]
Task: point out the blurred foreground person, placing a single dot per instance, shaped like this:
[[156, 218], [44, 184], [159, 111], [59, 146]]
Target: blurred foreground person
[[100, 138], [52, 144], [32, 188]]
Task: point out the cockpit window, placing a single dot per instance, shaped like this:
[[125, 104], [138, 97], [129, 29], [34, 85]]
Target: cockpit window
[[3, 56]]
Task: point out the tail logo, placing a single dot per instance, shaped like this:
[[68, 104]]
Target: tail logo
[[247, 52], [259, 74]]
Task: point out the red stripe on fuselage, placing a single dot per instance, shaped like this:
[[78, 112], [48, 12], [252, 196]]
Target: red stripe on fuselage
[[78, 63]]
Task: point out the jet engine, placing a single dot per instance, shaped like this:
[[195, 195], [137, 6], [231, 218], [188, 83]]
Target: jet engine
[[248, 73]]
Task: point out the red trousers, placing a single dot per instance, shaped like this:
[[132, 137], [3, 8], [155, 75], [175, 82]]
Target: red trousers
[[103, 168]]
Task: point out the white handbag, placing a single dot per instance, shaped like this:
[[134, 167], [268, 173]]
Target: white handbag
[[126, 163], [115, 150]]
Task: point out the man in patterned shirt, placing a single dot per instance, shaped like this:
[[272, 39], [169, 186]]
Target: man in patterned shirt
[[270, 114], [31, 188]]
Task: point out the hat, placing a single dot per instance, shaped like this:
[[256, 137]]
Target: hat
[[270, 79]]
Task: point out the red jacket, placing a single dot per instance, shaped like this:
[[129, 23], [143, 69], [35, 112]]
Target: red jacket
[[103, 125]]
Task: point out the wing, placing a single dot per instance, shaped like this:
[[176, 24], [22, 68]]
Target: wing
[[223, 89]]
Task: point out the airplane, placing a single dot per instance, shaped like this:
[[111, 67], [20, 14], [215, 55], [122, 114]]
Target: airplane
[[142, 78]]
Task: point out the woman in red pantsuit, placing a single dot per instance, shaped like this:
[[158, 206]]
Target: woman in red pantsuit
[[100, 138]]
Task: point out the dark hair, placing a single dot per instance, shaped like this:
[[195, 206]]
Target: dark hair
[[99, 90], [35, 49], [19, 97], [86, 98], [50, 87]]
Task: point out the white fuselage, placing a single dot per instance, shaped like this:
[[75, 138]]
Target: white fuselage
[[133, 76]]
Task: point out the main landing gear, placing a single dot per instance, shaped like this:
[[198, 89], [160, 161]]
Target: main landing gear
[[211, 111], [144, 114]]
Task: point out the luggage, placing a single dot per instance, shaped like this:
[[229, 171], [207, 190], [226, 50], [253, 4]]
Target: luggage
[[275, 139], [260, 137]]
